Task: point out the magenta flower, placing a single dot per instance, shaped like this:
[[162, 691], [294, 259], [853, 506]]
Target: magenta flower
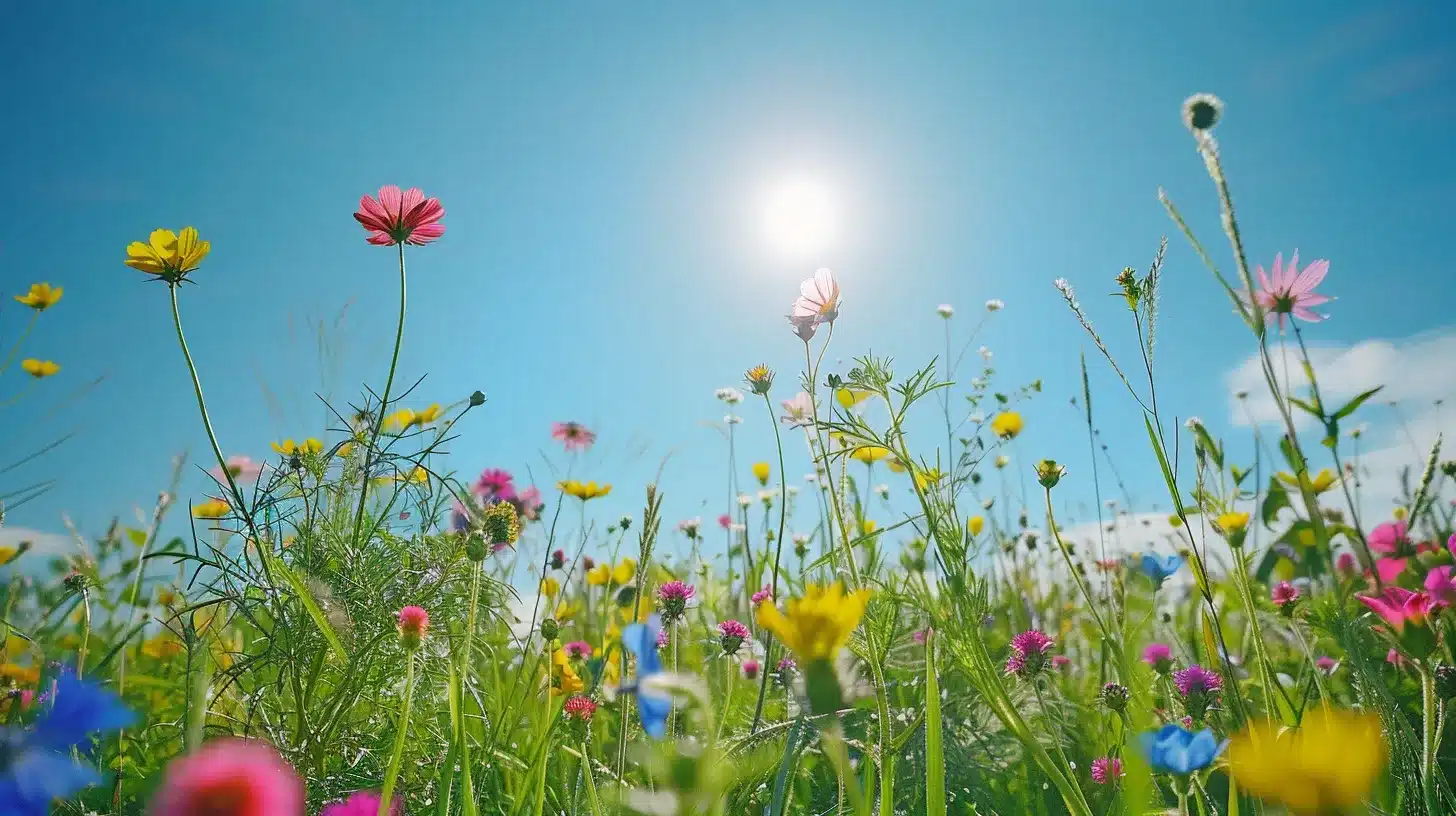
[[1392, 538], [1106, 770], [725, 521], [573, 436], [1345, 564], [1451, 542], [401, 218], [413, 623], [662, 638], [919, 637], [1290, 291], [495, 483], [1028, 653], [672, 599], [1284, 593], [765, 594], [1441, 585], [1327, 664], [578, 707], [578, 648], [362, 803], [1197, 680], [733, 628], [1159, 656], [1060, 662], [249, 776], [1399, 606], [750, 668]]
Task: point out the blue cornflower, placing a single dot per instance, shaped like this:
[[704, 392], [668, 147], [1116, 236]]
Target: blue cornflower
[[653, 704], [1176, 750], [1159, 568], [36, 765]]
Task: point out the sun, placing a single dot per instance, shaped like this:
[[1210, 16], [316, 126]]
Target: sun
[[799, 218]]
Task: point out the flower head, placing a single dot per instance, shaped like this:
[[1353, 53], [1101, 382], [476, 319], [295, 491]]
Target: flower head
[[1327, 765], [798, 411], [1201, 112], [1007, 424], [1391, 537], [1284, 594], [1106, 770], [672, 599], [869, 454], [41, 296], [750, 668], [211, 509], [731, 636], [816, 627], [230, 777], [38, 765], [1327, 664], [1029, 653], [241, 468], [1159, 568], [1399, 606], [413, 623], [579, 708], [400, 217], [586, 491], [1289, 291], [759, 379], [761, 472], [1115, 696], [994, 305], [501, 524], [39, 369], [1176, 750], [168, 255], [362, 803], [1197, 680], [1159, 656], [945, 310], [975, 524], [573, 436], [764, 595], [732, 396], [818, 301], [1049, 473]]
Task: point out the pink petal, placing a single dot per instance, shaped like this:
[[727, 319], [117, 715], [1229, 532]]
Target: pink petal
[[1311, 299], [380, 238], [424, 235], [825, 284], [1277, 273], [1306, 315], [411, 199], [426, 212], [389, 198], [804, 309], [1390, 569], [1312, 276]]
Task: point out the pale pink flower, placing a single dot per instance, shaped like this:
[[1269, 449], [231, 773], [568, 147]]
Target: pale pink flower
[[362, 803], [401, 217], [798, 411], [1290, 291], [243, 469], [1441, 584], [818, 300], [1284, 593], [248, 776], [573, 436]]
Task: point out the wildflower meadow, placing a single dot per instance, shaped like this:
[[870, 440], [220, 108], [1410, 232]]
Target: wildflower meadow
[[356, 622]]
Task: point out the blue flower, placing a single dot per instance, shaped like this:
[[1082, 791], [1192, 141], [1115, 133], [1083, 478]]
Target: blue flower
[[36, 765], [1160, 567], [1174, 749], [653, 704]]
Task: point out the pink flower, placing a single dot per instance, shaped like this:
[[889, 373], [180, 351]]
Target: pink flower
[[1396, 659], [1159, 656], [581, 708], [495, 483], [1061, 661], [818, 300], [1441, 585], [578, 648], [413, 623], [573, 436], [1028, 653], [750, 669], [1390, 537], [786, 665], [733, 629], [1327, 664], [799, 411], [230, 777], [661, 638], [1345, 564], [1197, 680], [528, 504], [675, 591], [1399, 606], [362, 803], [397, 217], [1289, 291], [1390, 569], [243, 469], [765, 594], [1284, 593], [1106, 770], [725, 521], [919, 637], [1451, 542]]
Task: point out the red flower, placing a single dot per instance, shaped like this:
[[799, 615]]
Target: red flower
[[401, 218]]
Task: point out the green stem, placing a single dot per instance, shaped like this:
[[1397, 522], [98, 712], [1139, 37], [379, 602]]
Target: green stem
[[589, 777], [728, 698], [85, 633], [15, 349], [383, 403], [391, 774], [778, 553], [1428, 741], [467, 781]]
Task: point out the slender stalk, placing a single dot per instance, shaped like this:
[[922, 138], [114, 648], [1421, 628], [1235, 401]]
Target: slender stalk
[[383, 404], [85, 632], [778, 553], [391, 774], [728, 698], [591, 783], [15, 349], [467, 781], [1428, 741]]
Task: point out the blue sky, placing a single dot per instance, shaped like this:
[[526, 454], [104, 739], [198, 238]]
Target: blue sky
[[604, 171]]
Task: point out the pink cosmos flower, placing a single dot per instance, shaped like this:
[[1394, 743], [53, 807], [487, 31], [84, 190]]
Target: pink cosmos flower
[[495, 483], [1159, 656], [362, 803], [1290, 291], [1197, 680], [1106, 770], [1441, 585], [243, 469], [230, 777], [765, 594], [818, 302], [1392, 537], [1451, 542], [573, 436], [1399, 606], [799, 411], [1284, 593], [396, 217]]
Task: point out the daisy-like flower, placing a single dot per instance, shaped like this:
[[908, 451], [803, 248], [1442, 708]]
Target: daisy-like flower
[[400, 217], [799, 411], [994, 305], [1289, 291], [41, 296], [290, 448], [573, 436], [168, 255], [759, 378], [586, 491], [1007, 424], [495, 483], [689, 527], [1106, 770], [211, 509], [732, 396], [818, 300], [40, 369], [241, 468], [1327, 664], [945, 310]]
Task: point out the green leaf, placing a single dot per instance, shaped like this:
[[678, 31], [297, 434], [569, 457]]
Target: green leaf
[[137, 537], [934, 757], [1276, 499], [1312, 410], [1354, 404], [301, 591]]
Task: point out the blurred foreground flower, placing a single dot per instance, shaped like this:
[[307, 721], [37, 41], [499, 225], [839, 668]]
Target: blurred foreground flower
[[1328, 765], [229, 776], [362, 803], [1176, 750], [400, 217], [39, 369], [211, 509], [653, 702], [1007, 424], [573, 436], [168, 255]]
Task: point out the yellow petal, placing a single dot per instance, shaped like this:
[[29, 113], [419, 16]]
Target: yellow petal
[[164, 243]]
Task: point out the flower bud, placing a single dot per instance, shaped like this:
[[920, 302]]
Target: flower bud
[[477, 399], [413, 623], [550, 629], [1115, 696]]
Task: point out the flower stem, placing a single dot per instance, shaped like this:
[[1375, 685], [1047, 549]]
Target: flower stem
[[1428, 741], [15, 349], [391, 774], [467, 782], [728, 698], [778, 552], [383, 403], [85, 633]]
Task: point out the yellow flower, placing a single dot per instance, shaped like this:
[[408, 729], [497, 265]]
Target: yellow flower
[[975, 524], [759, 378], [211, 509], [168, 255], [41, 296], [613, 633], [645, 608], [344, 449], [39, 368], [586, 491], [600, 575], [1232, 523], [1002, 461], [549, 587], [564, 679], [895, 465], [1175, 521], [8, 554], [761, 472], [1007, 424], [16, 646], [1399, 514], [566, 612], [290, 448], [1326, 766], [162, 647], [625, 571], [416, 476], [870, 454], [850, 397], [21, 675], [816, 626], [924, 479], [1322, 481], [166, 596], [868, 527]]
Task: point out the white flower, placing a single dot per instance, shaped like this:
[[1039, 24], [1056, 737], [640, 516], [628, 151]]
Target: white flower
[[1193, 422], [793, 490], [818, 299], [994, 305], [811, 478], [944, 310], [977, 417], [767, 496], [979, 382], [745, 500], [732, 419], [737, 528], [985, 353], [798, 411], [883, 491], [689, 527], [732, 396]]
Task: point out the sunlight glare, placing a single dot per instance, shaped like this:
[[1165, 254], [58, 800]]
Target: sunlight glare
[[799, 218]]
